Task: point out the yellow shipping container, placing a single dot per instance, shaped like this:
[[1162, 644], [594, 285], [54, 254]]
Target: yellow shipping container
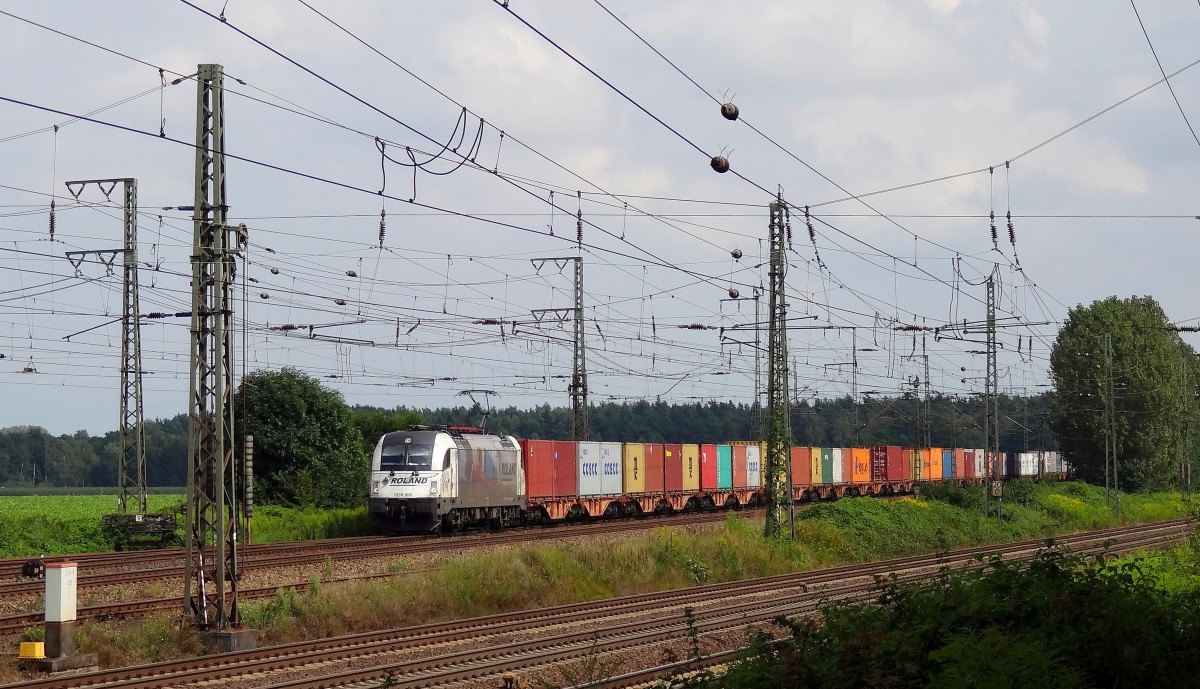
[[691, 467], [814, 454], [633, 456]]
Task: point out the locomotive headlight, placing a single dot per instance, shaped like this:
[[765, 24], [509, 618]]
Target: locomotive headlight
[[375, 488]]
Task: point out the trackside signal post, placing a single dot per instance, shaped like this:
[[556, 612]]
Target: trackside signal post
[[777, 475], [210, 594]]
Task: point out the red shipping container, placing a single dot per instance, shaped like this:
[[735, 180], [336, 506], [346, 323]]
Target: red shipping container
[[960, 462], [897, 464], [801, 467], [566, 478], [708, 467], [879, 463], [739, 466], [847, 465], [539, 467], [969, 463], [654, 468], [673, 468]]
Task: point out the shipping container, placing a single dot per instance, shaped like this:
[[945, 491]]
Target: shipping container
[[960, 463], [935, 464], [754, 466], [539, 468], [981, 463], [827, 465], [566, 477], [861, 458], [591, 480], [879, 463], [708, 467], [655, 470], [815, 476], [847, 465], [633, 455], [724, 467], [802, 466], [897, 468], [969, 464], [673, 468], [948, 464], [1012, 464], [739, 466], [912, 458], [836, 464], [691, 468]]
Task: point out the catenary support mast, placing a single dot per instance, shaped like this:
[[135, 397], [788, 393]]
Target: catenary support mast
[[778, 427], [210, 596]]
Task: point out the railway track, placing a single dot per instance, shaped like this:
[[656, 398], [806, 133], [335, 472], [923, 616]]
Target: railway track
[[283, 555], [485, 648]]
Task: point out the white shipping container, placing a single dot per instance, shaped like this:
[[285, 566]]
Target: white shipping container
[[611, 469], [836, 453], [591, 477], [980, 463], [753, 466]]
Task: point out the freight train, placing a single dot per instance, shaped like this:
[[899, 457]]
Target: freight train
[[448, 478]]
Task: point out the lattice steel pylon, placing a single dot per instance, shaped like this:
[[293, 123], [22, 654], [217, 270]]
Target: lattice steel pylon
[[579, 384], [131, 435], [991, 409], [779, 417], [210, 596], [131, 469]]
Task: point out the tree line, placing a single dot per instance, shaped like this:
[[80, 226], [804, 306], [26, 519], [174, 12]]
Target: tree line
[[1125, 385]]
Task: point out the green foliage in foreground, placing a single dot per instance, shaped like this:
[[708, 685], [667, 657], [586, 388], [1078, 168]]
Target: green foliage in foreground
[[1055, 622]]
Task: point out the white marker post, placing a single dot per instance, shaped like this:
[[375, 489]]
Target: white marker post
[[61, 585]]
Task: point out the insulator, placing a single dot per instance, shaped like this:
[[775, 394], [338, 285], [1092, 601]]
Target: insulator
[[995, 236], [1012, 232], [351, 273], [729, 111], [53, 221], [720, 164], [733, 293], [340, 302], [274, 271], [736, 253], [263, 295], [382, 226]]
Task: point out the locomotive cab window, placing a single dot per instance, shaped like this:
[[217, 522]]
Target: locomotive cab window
[[405, 457], [446, 461]]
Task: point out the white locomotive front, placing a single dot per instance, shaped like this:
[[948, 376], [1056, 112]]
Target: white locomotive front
[[446, 477]]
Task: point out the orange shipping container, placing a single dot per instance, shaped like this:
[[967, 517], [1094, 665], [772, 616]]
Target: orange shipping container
[[801, 467], [654, 468], [847, 465], [862, 465], [935, 464]]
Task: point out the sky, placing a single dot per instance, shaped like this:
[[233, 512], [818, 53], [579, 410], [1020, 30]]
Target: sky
[[901, 126]]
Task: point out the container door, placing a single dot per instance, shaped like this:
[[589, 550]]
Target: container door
[[691, 468], [948, 464], [969, 463], [654, 468], [633, 457], [591, 482], [673, 468], [708, 467], [753, 466], [862, 465], [539, 468], [566, 476], [827, 465], [835, 465], [897, 468], [611, 469]]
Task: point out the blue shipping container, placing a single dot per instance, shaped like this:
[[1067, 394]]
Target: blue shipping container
[[947, 463]]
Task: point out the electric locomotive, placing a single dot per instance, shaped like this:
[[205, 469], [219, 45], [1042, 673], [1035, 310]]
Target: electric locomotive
[[426, 478]]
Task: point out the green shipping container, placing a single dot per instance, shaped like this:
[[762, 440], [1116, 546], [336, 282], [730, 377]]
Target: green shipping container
[[826, 465], [724, 467]]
